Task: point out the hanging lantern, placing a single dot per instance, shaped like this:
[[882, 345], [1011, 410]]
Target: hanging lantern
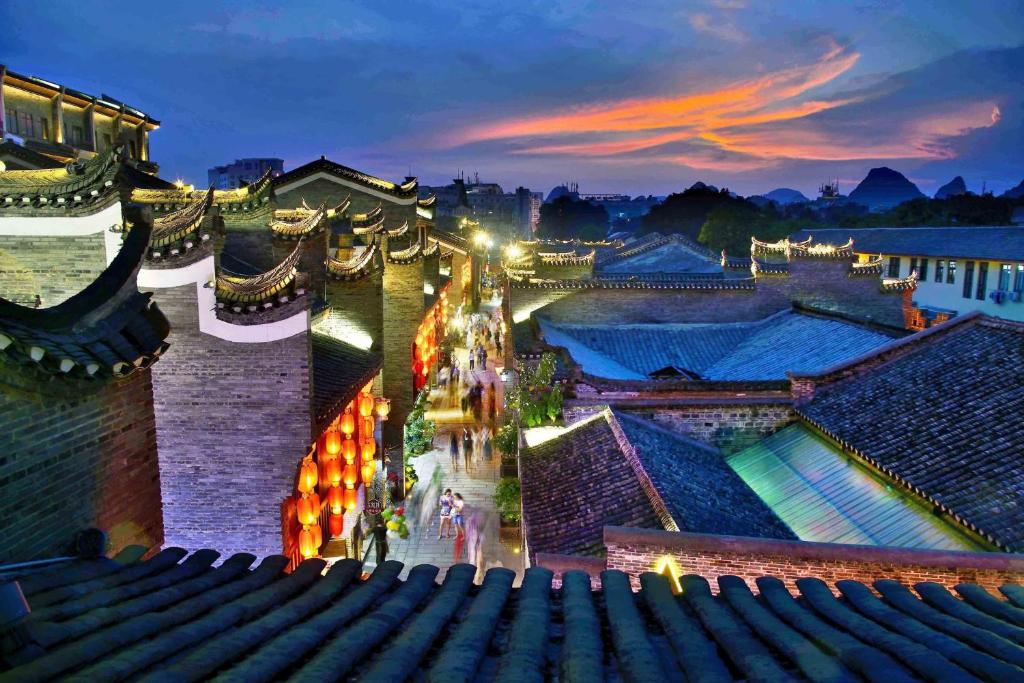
[[306, 547], [307, 476], [347, 424], [335, 500], [383, 408], [416, 353], [369, 468], [368, 425], [351, 475], [332, 442], [318, 537], [308, 509], [365, 405], [351, 500], [334, 471], [417, 367], [348, 450], [336, 525], [368, 450]]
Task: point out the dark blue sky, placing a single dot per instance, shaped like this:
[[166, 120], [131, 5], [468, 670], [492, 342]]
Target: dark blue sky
[[630, 97]]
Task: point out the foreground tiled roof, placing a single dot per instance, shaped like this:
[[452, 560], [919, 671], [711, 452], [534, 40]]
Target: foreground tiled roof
[[944, 416], [340, 370], [614, 466], [670, 257], [177, 619], [761, 350], [995, 243], [814, 487]]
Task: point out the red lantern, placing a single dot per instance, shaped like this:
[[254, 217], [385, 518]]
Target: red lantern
[[369, 468], [332, 442], [336, 525], [365, 405], [307, 476], [347, 424], [368, 450], [318, 537], [348, 450], [335, 500], [351, 475], [334, 471], [304, 511], [367, 427], [306, 547], [350, 500], [417, 367]]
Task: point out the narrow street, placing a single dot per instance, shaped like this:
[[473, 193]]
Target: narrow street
[[474, 477]]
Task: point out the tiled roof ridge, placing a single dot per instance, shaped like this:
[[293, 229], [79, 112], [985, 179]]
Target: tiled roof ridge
[[76, 183], [886, 351], [399, 231], [355, 267], [790, 248], [567, 258], [410, 254], [646, 483], [801, 308], [257, 289], [236, 200], [176, 225], [450, 240], [307, 225], [323, 164]]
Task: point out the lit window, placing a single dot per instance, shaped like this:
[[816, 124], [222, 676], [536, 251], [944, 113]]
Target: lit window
[[1018, 281], [951, 273], [1004, 277]]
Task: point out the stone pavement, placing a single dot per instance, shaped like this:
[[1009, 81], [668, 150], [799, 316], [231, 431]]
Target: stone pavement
[[476, 483]]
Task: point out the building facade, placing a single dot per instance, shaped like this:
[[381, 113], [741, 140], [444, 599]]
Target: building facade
[[242, 172], [506, 215], [958, 270], [67, 124]]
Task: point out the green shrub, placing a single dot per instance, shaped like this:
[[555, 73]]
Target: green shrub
[[507, 497]]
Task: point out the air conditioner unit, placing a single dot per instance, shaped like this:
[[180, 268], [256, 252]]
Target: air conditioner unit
[[997, 296]]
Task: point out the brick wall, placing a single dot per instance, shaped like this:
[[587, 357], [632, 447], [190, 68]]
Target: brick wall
[[357, 310], [312, 255], [635, 551], [403, 313], [54, 267], [233, 422], [729, 427], [74, 457]]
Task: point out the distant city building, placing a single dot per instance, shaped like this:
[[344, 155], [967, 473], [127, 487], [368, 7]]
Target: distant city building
[[243, 172], [513, 214], [61, 124], [618, 206], [958, 269]]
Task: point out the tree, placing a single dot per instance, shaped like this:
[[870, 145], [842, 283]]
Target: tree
[[567, 218], [685, 212]]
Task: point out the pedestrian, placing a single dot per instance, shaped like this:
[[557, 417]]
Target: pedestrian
[[492, 402], [465, 400], [446, 514], [453, 450], [357, 538], [442, 378], [380, 540], [488, 447], [471, 360], [467, 447], [458, 508]]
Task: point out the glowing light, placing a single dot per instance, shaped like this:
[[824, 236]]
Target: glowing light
[[666, 566], [513, 251]]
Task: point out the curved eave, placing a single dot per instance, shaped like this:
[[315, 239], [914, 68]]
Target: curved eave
[[294, 230], [399, 231], [404, 256], [175, 226], [259, 288], [76, 183], [353, 268]]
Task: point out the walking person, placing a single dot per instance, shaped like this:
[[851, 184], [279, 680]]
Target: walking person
[[453, 450], [492, 403], [488, 447], [458, 518], [446, 504], [380, 540], [467, 447]]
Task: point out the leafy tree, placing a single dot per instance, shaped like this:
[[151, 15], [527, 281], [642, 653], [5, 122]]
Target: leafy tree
[[568, 218], [685, 212], [508, 499], [731, 226]]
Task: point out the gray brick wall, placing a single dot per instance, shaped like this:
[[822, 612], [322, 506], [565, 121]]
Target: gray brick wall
[[54, 267], [357, 309], [77, 457], [403, 313], [233, 422]]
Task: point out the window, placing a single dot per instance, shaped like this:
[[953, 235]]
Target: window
[[951, 273], [77, 136], [1018, 281], [968, 278], [1005, 270], [913, 266], [924, 270], [894, 266], [982, 279], [11, 121], [939, 265], [27, 125]]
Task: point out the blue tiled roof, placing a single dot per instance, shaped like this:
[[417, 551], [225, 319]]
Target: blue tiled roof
[[995, 243], [761, 350], [668, 258]]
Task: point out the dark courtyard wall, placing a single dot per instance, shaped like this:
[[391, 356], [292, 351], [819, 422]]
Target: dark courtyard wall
[[233, 422], [357, 310], [54, 267], [403, 313], [77, 457]]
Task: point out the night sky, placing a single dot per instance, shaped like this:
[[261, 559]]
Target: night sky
[[618, 96]]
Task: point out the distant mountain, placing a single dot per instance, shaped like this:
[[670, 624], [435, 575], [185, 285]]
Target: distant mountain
[[952, 188], [699, 185], [785, 195], [884, 188], [1014, 192]]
